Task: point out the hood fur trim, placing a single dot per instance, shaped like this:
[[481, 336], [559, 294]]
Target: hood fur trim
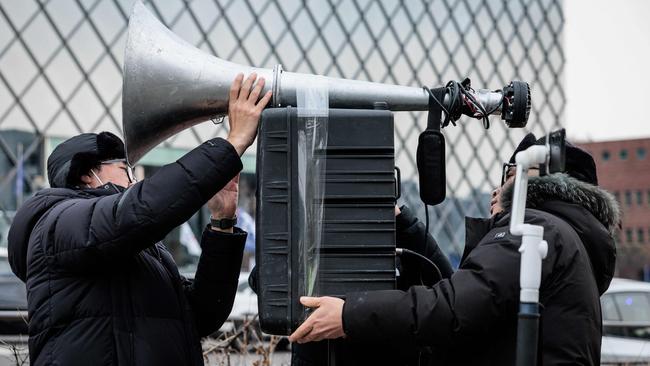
[[561, 187]]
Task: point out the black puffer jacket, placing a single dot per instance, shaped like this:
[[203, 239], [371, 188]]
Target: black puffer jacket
[[470, 318], [101, 288], [409, 234]]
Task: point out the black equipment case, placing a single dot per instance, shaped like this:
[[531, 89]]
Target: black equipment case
[[357, 251]]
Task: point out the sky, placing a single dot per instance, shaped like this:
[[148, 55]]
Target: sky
[[607, 72]]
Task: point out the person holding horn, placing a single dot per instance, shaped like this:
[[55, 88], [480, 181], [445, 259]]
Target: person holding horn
[[101, 287]]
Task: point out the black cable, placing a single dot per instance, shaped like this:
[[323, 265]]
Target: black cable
[[426, 225], [401, 251], [500, 104], [468, 92], [426, 232], [442, 106], [455, 111], [456, 92]]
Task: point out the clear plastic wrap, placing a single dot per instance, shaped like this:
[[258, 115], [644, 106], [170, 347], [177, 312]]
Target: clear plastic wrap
[[312, 110]]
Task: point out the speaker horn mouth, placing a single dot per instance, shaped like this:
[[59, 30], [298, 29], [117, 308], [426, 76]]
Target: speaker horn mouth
[[170, 85]]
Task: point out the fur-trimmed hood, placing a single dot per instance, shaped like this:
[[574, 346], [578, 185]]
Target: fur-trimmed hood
[[561, 187], [591, 211]]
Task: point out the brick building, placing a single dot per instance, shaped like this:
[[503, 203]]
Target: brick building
[[624, 169]]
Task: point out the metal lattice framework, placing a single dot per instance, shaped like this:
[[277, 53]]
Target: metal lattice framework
[[61, 64]]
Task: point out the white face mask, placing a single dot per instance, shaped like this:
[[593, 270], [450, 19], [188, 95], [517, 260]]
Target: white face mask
[[96, 177]]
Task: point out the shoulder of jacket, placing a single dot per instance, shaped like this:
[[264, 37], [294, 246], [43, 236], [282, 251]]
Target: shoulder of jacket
[[501, 233], [549, 221]]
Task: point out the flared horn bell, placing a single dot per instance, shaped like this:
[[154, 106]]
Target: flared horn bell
[[170, 85]]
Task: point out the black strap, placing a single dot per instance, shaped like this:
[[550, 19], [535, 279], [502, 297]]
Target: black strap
[[436, 98]]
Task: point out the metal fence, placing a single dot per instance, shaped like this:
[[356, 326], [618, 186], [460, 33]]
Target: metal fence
[[61, 64]]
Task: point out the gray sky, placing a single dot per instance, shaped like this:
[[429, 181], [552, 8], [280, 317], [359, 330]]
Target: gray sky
[[607, 69]]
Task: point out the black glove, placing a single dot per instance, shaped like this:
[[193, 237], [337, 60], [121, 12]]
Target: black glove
[[252, 279], [411, 235]]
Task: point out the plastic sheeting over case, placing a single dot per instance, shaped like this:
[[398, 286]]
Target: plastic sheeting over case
[[334, 231]]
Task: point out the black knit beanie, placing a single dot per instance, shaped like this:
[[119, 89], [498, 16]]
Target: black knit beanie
[[77, 155]]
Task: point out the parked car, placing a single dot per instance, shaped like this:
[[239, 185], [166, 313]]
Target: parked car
[[13, 302], [626, 323], [245, 305]]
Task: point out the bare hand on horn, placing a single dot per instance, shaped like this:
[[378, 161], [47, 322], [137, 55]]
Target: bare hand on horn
[[244, 110]]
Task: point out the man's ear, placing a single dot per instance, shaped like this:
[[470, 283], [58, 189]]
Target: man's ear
[[86, 179]]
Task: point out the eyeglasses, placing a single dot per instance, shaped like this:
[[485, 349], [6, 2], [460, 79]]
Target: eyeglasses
[[509, 170], [128, 169]]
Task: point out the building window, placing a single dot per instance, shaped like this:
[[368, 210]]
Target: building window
[[639, 198], [605, 155], [628, 198], [623, 154], [639, 235], [640, 153], [617, 195], [628, 235], [648, 197]]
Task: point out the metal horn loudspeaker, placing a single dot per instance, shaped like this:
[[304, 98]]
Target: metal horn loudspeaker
[[170, 85]]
